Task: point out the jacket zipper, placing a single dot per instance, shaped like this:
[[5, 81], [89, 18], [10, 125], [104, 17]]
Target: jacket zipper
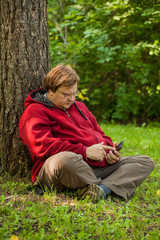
[[68, 114], [93, 135], [77, 125], [70, 117]]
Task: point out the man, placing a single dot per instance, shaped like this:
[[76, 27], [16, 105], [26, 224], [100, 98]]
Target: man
[[68, 148]]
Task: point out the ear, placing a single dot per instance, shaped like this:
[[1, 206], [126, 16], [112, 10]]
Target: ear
[[50, 92]]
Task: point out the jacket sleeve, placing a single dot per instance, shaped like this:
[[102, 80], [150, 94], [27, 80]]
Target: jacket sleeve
[[39, 139]]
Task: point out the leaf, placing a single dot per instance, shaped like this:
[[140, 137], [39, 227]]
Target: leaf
[[82, 97], [14, 237], [2, 199], [158, 193]]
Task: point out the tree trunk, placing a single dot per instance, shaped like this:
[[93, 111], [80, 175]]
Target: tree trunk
[[24, 61]]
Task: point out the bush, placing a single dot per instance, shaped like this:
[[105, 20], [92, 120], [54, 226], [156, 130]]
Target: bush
[[114, 47]]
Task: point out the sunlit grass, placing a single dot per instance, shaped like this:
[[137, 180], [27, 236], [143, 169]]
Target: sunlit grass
[[61, 216]]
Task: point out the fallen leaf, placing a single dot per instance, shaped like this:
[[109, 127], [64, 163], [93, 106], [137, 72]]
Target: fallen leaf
[[158, 193], [14, 237]]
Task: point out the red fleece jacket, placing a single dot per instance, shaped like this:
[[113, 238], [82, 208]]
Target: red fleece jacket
[[47, 130]]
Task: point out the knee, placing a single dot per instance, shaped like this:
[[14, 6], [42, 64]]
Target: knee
[[69, 161], [149, 163], [62, 161]]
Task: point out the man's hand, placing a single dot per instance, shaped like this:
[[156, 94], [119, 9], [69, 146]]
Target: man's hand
[[114, 144], [112, 158], [97, 151]]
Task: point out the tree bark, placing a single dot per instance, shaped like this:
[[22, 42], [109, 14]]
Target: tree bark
[[24, 61]]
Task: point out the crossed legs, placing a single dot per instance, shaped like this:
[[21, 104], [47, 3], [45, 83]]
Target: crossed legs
[[69, 170]]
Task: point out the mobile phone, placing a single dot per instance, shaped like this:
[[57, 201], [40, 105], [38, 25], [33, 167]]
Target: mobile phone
[[119, 146]]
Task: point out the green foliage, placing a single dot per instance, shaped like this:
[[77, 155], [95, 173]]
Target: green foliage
[[61, 216], [114, 46]]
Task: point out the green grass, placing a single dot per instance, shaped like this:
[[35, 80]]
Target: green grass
[[62, 216]]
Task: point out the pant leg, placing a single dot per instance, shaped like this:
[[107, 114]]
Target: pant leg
[[125, 176], [66, 169]]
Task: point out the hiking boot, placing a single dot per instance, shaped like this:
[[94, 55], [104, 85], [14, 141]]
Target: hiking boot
[[94, 192]]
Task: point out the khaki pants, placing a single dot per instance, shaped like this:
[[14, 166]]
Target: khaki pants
[[69, 170]]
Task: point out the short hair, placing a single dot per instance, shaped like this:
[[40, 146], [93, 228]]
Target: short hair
[[60, 75]]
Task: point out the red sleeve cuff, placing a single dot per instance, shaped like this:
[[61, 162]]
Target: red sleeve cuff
[[84, 153]]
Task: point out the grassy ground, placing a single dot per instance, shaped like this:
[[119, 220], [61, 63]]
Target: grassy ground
[[25, 215]]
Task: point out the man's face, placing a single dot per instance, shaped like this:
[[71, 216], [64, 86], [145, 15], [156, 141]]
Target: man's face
[[64, 96]]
